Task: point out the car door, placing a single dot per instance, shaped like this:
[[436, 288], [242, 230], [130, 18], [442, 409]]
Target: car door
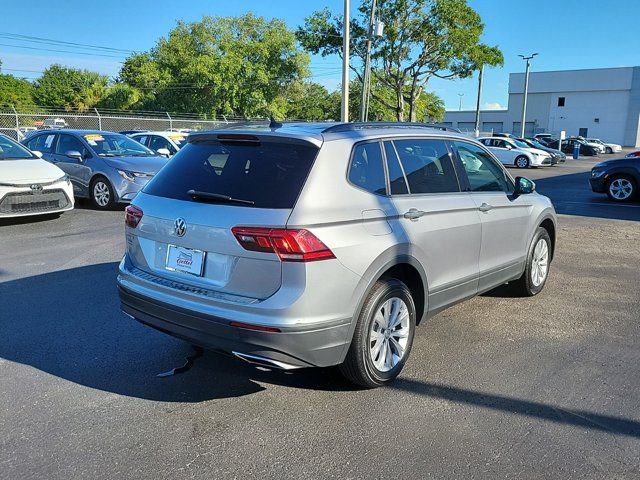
[[505, 218], [440, 221], [78, 170], [45, 144]]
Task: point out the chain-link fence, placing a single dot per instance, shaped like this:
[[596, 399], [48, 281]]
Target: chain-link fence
[[18, 123]]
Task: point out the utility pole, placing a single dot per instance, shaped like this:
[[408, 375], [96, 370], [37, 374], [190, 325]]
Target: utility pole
[[460, 95], [477, 126], [366, 77], [344, 110], [526, 92]]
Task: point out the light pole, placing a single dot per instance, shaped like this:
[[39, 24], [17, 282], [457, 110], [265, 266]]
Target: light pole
[[460, 105], [366, 78], [344, 110], [477, 125], [526, 92]]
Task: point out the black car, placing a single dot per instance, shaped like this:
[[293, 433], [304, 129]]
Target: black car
[[619, 179], [128, 133], [567, 147], [556, 155]]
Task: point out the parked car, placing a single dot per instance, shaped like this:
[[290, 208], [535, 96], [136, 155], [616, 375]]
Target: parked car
[[608, 147], [598, 146], [619, 179], [326, 244], [106, 167], [556, 155], [567, 147], [633, 154], [544, 137], [30, 185], [504, 135], [54, 123], [514, 152], [163, 143]]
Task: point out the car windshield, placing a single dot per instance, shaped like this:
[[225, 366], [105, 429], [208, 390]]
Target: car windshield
[[10, 150], [520, 144], [116, 145], [536, 144], [593, 140]]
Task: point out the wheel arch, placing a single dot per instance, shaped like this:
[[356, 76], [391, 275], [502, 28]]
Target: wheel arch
[[395, 262]]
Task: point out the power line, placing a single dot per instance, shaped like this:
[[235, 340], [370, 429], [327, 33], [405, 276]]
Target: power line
[[61, 51], [29, 38]]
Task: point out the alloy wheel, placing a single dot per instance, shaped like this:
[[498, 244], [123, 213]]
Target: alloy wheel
[[389, 334], [522, 162], [540, 262], [101, 194], [621, 189]]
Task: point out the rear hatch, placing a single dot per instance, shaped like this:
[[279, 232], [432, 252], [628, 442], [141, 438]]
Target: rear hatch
[[215, 183]]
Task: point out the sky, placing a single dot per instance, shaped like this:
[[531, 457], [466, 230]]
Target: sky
[[566, 34]]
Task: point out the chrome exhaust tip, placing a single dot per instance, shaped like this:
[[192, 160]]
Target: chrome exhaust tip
[[264, 362]]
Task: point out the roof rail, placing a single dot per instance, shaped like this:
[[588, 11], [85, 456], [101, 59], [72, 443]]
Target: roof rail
[[351, 126]]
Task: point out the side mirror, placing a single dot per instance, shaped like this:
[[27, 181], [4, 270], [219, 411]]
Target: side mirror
[[524, 186], [37, 153], [74, 154], [164, 152], [509, 147]]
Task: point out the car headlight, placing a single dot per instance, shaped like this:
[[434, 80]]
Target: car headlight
[[131, 176], [597, 173], [65, 178]]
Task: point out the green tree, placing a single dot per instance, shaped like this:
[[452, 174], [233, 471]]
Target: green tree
[[15, 91], [308, 101], [70, 88], [221, 66], [121, 96], [422, 39]]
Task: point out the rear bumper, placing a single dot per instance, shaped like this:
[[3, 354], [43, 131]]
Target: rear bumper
[[292, 347]]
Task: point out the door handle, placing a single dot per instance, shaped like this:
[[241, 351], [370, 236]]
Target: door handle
[[485, 207], [414, 214]]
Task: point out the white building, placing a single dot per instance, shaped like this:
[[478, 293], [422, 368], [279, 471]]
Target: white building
[[602, 103]]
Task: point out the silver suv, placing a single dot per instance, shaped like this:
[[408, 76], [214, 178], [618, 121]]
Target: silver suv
[[304, 245]]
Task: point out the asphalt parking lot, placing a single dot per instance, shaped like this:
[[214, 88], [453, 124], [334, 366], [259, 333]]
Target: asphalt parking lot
[[546, 387]]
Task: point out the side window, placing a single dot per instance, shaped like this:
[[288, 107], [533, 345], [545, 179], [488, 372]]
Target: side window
[[396, 175], [42, 143], [142, 140], [366, 170], [69, 142], [486, 141], [156, 143], [427, 165], [484, 174], [500, 143]]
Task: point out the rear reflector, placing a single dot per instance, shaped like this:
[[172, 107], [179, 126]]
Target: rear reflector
[[259, 328], [289, 245], [132, 216]]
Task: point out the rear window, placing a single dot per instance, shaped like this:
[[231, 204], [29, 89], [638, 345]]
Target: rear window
[[269, 173]]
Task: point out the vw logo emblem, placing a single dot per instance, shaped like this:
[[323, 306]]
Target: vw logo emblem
[[36, 188], [180, 227]]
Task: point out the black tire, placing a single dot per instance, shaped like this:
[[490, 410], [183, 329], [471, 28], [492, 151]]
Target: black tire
[[608, 150], [519, 164], [524, 286], [96, 200], [358, 367], [631, 191]]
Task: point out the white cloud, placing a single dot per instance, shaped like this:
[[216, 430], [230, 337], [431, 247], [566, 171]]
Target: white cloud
[[492, 106]]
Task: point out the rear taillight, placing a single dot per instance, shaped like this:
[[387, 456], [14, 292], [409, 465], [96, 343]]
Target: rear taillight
[[132, 216], [290, 245]]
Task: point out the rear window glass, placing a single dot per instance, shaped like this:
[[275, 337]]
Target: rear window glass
[[366, 170], [269, 173]]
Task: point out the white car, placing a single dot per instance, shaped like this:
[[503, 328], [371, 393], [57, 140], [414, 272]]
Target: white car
[[514, 152], [163, 143], [608, 147], [30, 185]]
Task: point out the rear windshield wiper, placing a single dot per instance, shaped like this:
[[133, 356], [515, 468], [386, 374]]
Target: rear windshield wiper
[[216, 197]]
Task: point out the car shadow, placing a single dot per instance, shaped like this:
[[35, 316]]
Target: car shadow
[[69, 324]]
